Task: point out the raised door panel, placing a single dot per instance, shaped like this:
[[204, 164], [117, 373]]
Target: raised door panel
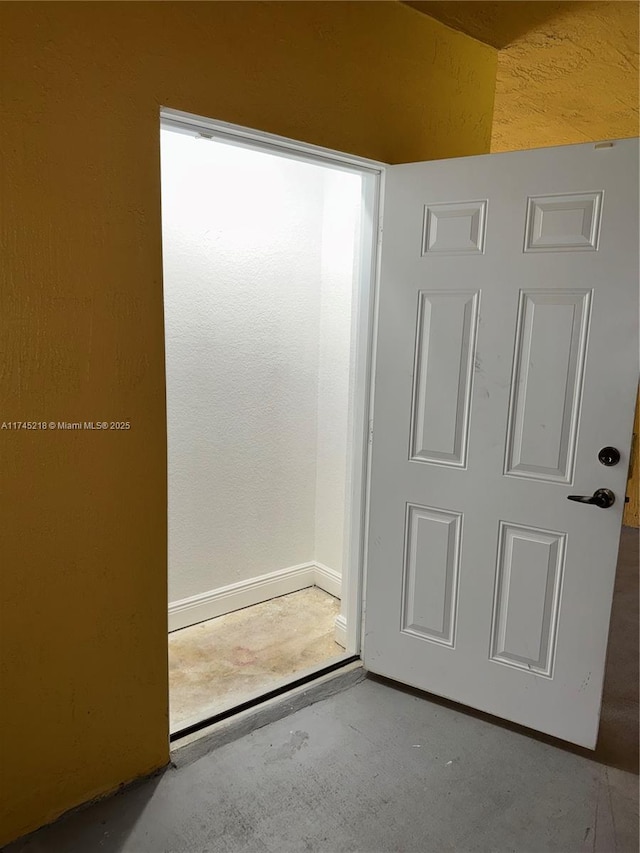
[[546, 389], [430, 577], [527, 597], [457, 228], [563, 223], [443, 376]]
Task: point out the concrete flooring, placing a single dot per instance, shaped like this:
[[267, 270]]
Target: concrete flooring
[[373, 769], [221, 662], [377, 768]]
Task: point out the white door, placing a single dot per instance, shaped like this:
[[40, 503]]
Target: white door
[[506, 359]]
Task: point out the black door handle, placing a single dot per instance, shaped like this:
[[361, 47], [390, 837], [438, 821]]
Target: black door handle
[[604, 498]]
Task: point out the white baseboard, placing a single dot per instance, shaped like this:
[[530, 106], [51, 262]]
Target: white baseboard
[[340, 634], [327, 579], [235, 596]]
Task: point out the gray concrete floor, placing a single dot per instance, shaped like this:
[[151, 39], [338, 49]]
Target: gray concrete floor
[[376, 769], [373, 769]]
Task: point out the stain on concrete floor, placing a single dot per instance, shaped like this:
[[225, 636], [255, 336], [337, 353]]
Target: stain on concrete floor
[[219, 663]]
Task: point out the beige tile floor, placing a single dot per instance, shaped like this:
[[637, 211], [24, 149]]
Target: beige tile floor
[[219, 663]]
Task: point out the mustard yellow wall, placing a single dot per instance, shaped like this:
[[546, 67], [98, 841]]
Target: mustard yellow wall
[[83, 668], [572, 78], [568, 78]]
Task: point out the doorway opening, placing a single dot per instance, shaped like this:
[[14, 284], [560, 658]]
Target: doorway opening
[[268, 253]]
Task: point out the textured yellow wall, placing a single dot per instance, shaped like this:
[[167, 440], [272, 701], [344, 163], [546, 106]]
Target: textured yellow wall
[[495, 22], [83, 642], [571, 78]]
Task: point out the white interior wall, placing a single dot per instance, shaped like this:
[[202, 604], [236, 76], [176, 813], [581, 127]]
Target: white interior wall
[[258, 258]]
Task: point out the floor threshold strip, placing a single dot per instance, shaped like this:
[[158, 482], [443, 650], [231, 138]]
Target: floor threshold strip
[[258, 700]]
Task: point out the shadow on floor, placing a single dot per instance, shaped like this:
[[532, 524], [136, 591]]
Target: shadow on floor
[[91, 826], [369, 769], [618, 740]]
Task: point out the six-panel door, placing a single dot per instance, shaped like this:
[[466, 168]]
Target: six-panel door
[[506, 357]]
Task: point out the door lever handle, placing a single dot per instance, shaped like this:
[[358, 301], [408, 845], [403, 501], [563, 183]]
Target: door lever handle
[[604, 498]]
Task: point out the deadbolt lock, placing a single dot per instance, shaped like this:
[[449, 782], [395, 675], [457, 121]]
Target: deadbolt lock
[[609, 456]]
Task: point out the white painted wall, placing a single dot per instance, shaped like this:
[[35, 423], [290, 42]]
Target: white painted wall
[[258, 259]]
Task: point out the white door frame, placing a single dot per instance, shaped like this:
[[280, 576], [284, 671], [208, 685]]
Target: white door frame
[[364, 319]]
